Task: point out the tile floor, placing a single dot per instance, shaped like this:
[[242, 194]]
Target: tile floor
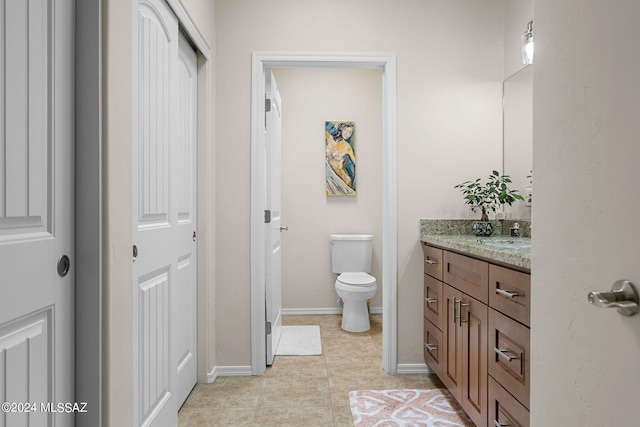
[[302, 390]]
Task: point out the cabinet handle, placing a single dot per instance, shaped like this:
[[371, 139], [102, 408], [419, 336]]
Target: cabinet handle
[[430, 347], [432, 261], [508, 294], [460, 319], [430, 300], [498, 424], [504, 354], [453, 307]]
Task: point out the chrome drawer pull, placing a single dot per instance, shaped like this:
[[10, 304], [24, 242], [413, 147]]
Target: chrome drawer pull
[[498, 424], [505, 355], [430, 347], [431, 261], [460, 319], [431, 300], [507, 293]]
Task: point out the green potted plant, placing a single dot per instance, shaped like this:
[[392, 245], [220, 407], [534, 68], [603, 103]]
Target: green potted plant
[[488, 196]]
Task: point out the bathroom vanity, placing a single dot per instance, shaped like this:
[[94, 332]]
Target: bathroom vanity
[[477, 323]]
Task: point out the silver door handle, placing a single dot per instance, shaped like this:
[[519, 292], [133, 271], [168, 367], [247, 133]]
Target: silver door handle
[[498, 424], [430, 300], [460, 319], [623, 296], [284, 228], [431, 261], [430, 347]]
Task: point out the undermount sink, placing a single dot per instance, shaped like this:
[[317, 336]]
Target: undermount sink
[[507, 244]]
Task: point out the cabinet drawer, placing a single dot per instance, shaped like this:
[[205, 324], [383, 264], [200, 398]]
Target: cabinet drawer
[[509, 363], [433, 300], [510, 293], [433, 349], [504, 409], [469, 275], [432, 261]]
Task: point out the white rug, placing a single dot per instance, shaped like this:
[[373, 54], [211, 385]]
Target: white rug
[[406, 408], [300, 341]]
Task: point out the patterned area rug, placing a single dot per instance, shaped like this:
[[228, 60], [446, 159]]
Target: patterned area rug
[[406, 408]]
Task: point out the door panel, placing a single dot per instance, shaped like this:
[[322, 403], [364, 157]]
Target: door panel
[[165, 216], [452, 335], [183, 297], [36, 207], [162, 259], [273, 229]]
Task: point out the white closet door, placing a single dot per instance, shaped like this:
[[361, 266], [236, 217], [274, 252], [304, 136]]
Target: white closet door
[[155, 267], [164, 216], [183, 294], [36, 208]]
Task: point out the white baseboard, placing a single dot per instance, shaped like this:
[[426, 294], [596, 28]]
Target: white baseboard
[[316, 311], [228, 371], [416, 368]]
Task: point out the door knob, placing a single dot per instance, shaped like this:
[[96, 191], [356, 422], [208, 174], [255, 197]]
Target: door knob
[[623, 296]]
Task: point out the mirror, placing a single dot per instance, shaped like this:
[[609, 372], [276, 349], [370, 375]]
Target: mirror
[[517, 147]]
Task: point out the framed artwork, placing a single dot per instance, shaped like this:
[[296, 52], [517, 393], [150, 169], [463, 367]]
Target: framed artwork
[[340, 159]]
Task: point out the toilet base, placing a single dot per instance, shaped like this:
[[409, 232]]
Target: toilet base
[[355, 316]]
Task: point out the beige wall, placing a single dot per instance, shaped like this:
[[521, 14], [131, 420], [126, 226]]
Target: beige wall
[[309, 98], [118, 87], [450, 71]]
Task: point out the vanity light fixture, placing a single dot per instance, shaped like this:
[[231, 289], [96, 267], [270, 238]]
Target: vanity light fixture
[[527, 44]]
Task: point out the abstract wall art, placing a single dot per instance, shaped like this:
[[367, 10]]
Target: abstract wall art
[[340, 158]]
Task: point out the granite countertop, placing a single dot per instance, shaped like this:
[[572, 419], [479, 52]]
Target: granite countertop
[[499, 248], [516, 255]]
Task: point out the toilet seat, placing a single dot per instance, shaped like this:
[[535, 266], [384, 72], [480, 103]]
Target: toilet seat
[[356, 279]]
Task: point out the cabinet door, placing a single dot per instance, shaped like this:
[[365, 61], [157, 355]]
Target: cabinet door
[[473, 320], [433, 300], [433, 349], [452, 337]]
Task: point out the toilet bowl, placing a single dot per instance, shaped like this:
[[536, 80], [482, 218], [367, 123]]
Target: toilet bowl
[[355, 289], [351, 258]]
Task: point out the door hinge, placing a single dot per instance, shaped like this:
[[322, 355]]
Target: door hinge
[[268, 328], [267, 217], [267, 105]]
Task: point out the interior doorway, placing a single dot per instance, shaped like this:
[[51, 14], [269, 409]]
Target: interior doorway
[[385, 62]]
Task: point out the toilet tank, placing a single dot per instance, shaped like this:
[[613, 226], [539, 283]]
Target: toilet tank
[[351, 252]]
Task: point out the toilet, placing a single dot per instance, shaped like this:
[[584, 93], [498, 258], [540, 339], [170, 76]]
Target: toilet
[[351, 258]]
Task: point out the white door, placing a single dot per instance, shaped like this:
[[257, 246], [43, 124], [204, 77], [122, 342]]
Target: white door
[[586, 366], [273, 140], [183, 294], [164, 217], [36, 209]]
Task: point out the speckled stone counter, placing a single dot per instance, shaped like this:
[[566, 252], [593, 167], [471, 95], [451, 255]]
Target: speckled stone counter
[[456, 235]]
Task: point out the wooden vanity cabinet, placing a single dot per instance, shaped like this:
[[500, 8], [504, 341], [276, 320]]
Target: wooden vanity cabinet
[[464, 367], [476, 339]]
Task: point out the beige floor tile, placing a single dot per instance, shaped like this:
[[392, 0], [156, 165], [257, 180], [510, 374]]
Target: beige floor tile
[[421, 382], [226, 392], [342, 416], [298, 366], [341, 386], [301, 392], [293, 416], [215, 417]]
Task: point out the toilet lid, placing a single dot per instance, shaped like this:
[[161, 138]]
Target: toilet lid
[[356, 279]]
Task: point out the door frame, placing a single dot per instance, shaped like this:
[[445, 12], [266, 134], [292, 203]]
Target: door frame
[[387, 63]]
